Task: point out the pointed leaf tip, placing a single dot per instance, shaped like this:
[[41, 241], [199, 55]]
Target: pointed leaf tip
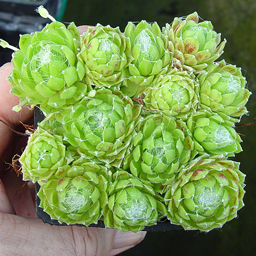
[[193, 16]]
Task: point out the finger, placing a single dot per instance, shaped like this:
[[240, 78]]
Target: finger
[[5, 204], [83, 29], [11, 118], [9, 100], [27, 234], [20, 195], [6, 150]]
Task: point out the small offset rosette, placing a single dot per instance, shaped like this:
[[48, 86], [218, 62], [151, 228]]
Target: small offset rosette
[[194, 44], [101, 127], [106, 52], [76, 195], [150, 57], [214, 134], [132, 205], [44, 154], [222, 89], [174, 94], [46, 68], [160, 147], [207, 193]]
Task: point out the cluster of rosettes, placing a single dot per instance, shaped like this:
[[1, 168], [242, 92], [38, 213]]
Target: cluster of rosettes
[[138, 125]]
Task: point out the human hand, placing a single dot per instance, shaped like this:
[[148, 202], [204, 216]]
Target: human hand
[[21, 233]]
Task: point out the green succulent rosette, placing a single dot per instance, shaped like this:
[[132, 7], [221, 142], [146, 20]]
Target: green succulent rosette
[[106, 53], [101, 127], [207, 193], [132, 205], [161, 145], [174, 94], [214, 134], [222, 89], [77, 198], [194, 44], [150, 57], [44, 154], [46, 68]]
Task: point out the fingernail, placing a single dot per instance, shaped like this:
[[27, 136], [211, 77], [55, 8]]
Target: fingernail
[[126, 239]]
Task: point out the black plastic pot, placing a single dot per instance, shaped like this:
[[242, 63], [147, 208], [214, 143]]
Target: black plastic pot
[[163, 225]]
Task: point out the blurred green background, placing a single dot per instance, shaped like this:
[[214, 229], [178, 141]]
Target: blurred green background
[[236, 21]]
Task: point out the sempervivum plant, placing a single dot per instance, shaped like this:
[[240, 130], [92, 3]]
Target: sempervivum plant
[[207, 193], [102, 126], [43, 156], [150, 56], [138, 124], [222, 89], [214, 134], [194, 44], [106, 53], [77, 198], [46, 68], [174, 94], [132, 205], [160, 146]]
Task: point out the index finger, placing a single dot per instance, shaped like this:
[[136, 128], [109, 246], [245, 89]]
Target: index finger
[[11, 118], [82, 29], [8, 100]]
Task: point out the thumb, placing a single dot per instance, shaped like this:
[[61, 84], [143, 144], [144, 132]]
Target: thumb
[[24, 235]]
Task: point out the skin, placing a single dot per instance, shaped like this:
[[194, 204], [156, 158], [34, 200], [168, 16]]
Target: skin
[[21, 232]]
